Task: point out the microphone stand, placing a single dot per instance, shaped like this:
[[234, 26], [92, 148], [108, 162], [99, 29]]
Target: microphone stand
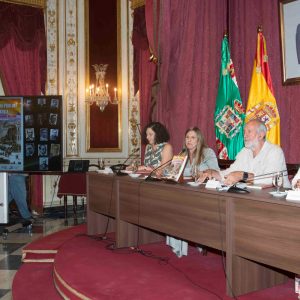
[[119, 173], [267, 175], [150, 178]]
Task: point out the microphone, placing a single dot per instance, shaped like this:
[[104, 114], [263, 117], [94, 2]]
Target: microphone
[[268, 175], [149, 177], [119, 173]]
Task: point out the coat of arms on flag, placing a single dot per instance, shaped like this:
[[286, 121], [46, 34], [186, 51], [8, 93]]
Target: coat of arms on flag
[[261, 101], [229, 114]]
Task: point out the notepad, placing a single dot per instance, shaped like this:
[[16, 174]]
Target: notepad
[[293, 196]]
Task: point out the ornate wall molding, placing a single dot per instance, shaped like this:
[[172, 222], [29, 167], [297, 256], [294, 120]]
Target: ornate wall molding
[[71, 78], [137, 3], [35, 3], [52, 47], [133, 102]]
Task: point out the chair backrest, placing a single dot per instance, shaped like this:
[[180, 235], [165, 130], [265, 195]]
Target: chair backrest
[[224, 163], [292, 169]]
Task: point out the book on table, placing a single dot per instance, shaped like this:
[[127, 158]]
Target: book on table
[[176, 167]]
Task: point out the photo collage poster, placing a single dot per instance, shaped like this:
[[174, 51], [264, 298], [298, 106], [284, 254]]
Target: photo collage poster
[[11, 134], [40, 134]]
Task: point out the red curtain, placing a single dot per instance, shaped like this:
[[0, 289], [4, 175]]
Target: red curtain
[[22, 49], [190, 31], [243, 32], [144, 70], [23, 63], [190, 40]]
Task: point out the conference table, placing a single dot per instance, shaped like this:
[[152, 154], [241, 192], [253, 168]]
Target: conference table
[[258, 233]]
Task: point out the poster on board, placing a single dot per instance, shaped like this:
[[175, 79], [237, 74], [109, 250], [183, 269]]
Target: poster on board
[[11, 134], [31, 133]]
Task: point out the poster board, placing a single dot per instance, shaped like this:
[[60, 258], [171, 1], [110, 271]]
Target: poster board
[[31, 133]]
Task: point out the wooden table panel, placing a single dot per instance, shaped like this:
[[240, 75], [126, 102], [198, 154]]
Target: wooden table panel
[[267, 233], [258, 232], [101, 203], [101, 193], [129, 200], [178, 211]]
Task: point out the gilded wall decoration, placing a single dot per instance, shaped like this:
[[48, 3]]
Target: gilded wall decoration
[[52, 47], [35, 3], [133, 103], [71, 78]]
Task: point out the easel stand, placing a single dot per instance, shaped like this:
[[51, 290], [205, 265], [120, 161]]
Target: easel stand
[[12, 228]]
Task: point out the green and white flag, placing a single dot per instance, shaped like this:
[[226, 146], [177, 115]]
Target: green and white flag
[[229, 114]]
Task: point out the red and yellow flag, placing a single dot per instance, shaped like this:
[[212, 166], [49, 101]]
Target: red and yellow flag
[[261, 101]]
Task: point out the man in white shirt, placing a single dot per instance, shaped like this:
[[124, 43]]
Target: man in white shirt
[[257, 162]]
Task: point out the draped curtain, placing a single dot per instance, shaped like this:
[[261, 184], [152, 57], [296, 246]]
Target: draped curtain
[[190, 38], [22, 49], [144, 70], [23, 63], [190, 42], [243, 32]]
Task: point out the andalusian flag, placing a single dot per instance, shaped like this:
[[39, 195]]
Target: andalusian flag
[[261, 102], [229, 113]]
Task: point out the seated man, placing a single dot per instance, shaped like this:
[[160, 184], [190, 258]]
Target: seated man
[[257, 162], [17, 192]]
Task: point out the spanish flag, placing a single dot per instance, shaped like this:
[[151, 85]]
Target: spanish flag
[[261, 102]]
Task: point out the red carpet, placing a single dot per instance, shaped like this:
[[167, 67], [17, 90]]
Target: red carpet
[[34, 281], [85, 269], [125, 275], [45, 248]]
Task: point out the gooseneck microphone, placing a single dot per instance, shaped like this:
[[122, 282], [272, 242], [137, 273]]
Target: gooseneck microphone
[[149, 177], [121, 166], [268, 175]]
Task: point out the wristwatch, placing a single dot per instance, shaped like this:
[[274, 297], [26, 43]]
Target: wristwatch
[[245, 176]]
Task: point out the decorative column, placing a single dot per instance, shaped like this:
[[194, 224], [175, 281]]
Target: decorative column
[[52, 47], [71, 78], [133, 100]]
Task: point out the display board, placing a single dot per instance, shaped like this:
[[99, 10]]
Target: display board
[[31, 133]]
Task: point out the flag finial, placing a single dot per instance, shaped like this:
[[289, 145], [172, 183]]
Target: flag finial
[[259, 28], [225, 34]]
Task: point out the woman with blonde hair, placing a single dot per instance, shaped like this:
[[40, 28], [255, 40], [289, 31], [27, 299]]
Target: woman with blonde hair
[[200, 158]]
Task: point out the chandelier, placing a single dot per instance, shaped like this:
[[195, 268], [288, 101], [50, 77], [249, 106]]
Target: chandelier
[[98, 93]]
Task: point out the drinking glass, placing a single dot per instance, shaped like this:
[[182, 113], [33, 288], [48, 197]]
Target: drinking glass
[[194, 173], [278, 181], [101, 164]]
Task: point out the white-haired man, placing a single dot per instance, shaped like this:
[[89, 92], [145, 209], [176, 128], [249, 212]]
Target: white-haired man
[[256, 162]]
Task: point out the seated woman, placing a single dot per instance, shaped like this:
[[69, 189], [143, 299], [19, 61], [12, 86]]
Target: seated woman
[[158, 151], [200, 157]]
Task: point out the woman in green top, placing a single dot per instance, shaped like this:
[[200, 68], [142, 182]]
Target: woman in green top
[[158, 151]]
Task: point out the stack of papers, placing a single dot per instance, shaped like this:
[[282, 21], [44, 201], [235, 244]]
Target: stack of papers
[[293, 196]]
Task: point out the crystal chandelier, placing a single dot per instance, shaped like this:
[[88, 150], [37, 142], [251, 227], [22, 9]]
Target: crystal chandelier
[[99, 93]]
